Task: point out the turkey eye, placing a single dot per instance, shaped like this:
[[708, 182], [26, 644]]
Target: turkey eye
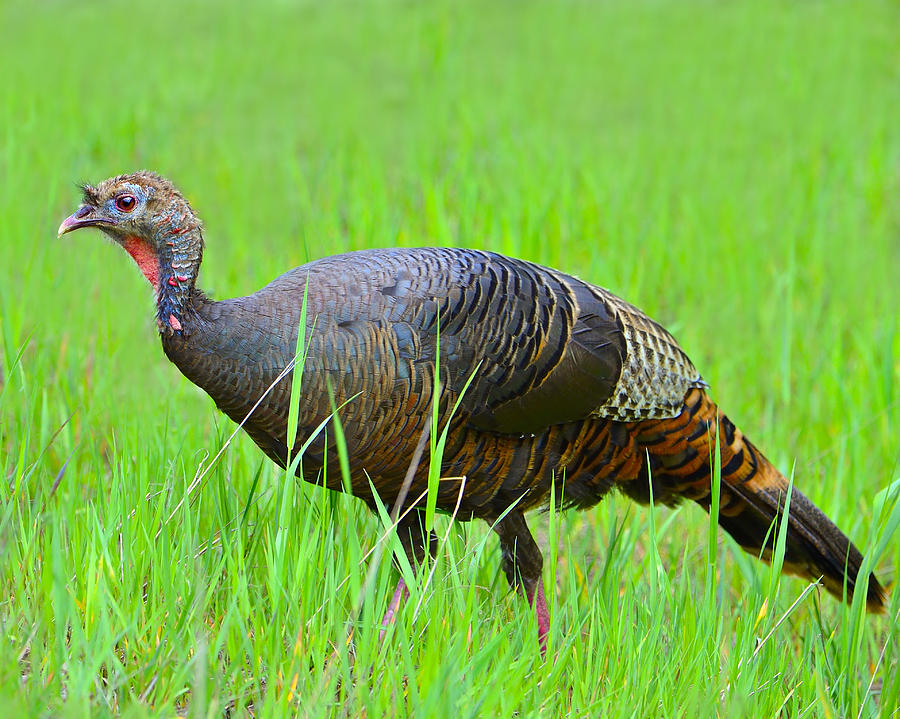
[[125, 203]]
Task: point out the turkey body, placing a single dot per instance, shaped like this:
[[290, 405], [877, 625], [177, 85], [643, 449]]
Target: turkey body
[[534, 358], [553, 380]]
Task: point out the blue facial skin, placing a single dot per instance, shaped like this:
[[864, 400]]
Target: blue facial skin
[[120, 216]]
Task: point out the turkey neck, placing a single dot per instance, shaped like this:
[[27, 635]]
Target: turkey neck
[[179, 242]]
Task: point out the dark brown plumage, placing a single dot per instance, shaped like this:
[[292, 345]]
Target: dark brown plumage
[[567, 381]]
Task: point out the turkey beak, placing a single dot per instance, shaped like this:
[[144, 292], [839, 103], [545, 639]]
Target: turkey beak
[[81, 218]]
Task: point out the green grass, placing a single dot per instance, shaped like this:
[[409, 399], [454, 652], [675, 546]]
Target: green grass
[[732, 168]]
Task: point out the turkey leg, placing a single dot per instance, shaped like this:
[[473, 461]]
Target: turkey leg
[[522, 563]]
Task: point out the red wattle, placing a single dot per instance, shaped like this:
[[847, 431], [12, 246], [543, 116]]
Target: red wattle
[[144, 257]]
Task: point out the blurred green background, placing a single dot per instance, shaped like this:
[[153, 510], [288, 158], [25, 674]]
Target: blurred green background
[[732, 168]]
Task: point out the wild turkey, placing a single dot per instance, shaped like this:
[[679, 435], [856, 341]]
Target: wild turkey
[[566, 382]]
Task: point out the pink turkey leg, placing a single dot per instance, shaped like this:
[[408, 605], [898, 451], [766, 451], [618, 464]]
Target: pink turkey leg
[[537, 600], [400, 595]]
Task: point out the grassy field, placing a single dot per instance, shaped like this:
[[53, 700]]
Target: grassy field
[[732, 168]]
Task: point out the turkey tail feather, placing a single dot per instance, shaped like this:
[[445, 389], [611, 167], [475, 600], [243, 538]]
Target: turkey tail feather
[[752, 498]]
